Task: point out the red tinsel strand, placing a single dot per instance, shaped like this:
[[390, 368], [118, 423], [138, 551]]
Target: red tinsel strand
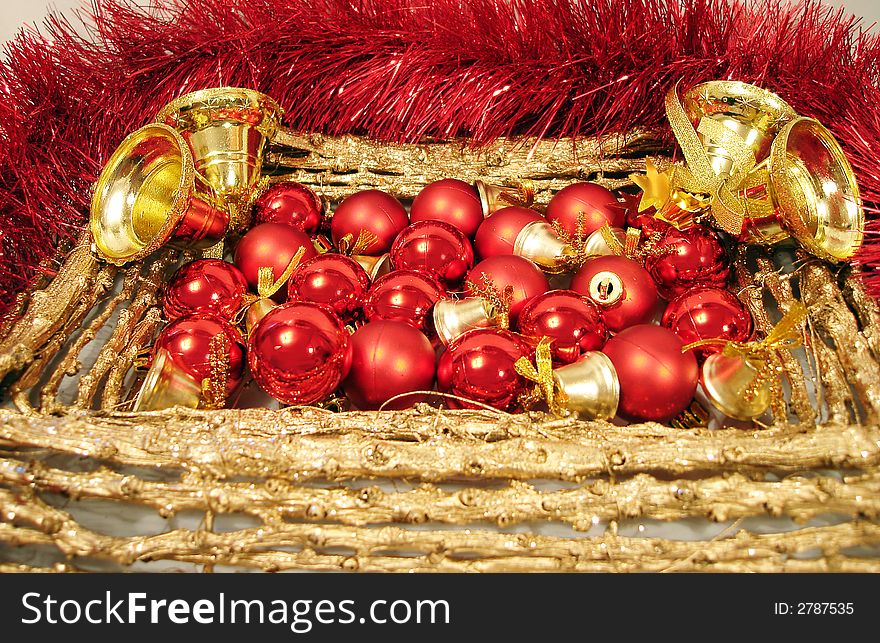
[[402, 70]]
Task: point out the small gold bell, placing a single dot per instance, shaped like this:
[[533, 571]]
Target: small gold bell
[[590, 386], [541, 244], [167, 385], [375, 266], [453, 318], [726, 381]]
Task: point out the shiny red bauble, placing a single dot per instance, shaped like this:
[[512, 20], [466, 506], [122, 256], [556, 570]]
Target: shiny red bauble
[[404, 296], [452, 201], [657, 381], [623, 290], [479, 366], [522, 275], [708, 313], [498, 232], [332, 279], [187, 340], [571, 320], [388, 358], [205, 285], [292, 204], [684, 259], [270, 245], [369, 211], [434, 248], [592, 202], [299, 352]]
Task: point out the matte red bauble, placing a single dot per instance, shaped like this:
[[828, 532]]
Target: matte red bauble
[[292, 204], [522, 275], [434, 248], [332, 279], [595, 203], [479, 366], [299, 352], [498, 232], [623, 290], [187, 341], [452, 201], [369, 211], [685, 259], [404, 296], [708, 313], [205, 285], [270, 245], [657, 380], [571, 320], [389, 358]]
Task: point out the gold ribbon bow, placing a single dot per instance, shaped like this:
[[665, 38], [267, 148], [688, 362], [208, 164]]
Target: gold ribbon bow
[[630, 246], [348, 245], [267, 285], [214, 386], [545, 384], [697, 176], [763, 355], [499, 301]]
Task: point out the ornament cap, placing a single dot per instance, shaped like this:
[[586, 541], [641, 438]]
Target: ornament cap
[[606, 288]]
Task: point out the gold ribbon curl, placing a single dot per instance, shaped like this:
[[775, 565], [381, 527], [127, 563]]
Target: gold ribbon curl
[[499, 301], [763, 355], [348, 245], [696, 176], [545, 384]]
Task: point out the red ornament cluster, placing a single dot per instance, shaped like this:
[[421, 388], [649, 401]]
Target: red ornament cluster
[[373, 337]]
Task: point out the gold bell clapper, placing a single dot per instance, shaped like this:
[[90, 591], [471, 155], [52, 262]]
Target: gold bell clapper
[[227, 129], [375, 267], [807, 190], [167, 385], [453, 318], [589, 386], [730, 384], [149, 194], [495, 197]]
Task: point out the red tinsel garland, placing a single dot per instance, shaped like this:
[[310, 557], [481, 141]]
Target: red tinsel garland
[[401, 70]]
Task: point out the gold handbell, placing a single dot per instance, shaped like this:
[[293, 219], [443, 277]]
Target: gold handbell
[[729, 384], [495, 197], [167, 385], [539, 242], [755, 115], [453, 318], [375, 266], [806, 189], [149, 194], [589, 386], [227, 129]]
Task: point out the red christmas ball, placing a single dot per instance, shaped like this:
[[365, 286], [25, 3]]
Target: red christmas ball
[[332, 279], [205, 285], [522, 275], [596, 204], [405, 296], [270, 245], [187, 340], [708, 313], [299, 352], [621, 288], [657, 380], [452, 201], [369, 211], [434, 248], [685, 259], [389, 358], [571, 320], [497, 233], [292, 204], [479, 366]]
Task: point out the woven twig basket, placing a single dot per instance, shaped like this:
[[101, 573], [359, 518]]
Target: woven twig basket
[[318, 488]]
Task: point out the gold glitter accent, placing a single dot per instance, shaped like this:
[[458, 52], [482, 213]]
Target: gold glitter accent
[[214, 387], [349, 246], [499, 301]]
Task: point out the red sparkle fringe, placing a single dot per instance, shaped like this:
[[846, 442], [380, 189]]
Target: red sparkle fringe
[[402, 70]]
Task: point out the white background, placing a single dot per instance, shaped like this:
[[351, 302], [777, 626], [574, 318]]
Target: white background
[[15, 13]]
